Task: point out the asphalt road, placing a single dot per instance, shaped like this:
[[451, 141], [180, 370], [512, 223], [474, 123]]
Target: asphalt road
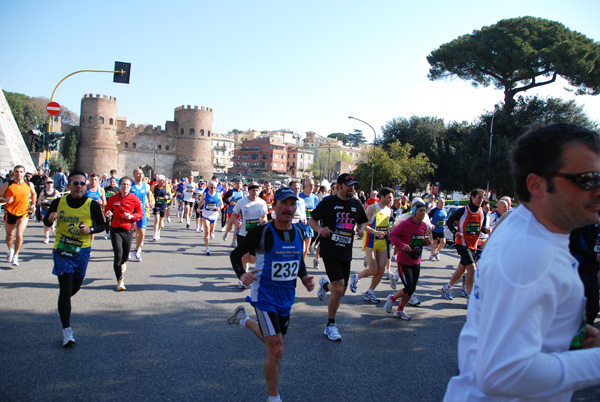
[[166, 338]]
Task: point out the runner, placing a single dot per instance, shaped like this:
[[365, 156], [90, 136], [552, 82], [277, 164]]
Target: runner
[[438, 218], [109, 191], [45, 198], [188, 200], [198, 193], [341, 214], [77, 217], [471, 221], [230, 199], [211, 205], [278, 247], [409, 237], [95, 192], [124, 208], [20, 198], [310, 203], [267, 196], [251, 211], [161, 198], [142, 190], [375, 244]]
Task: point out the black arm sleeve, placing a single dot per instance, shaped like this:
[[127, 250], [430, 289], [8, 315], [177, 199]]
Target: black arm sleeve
[[99, 224], [251, 242], [453, 218]]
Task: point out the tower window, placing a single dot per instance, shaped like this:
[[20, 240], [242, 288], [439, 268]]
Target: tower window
[[192, 131], [111, 121], [90, 120], [100, 120], [126, 144], [133, 145], [159, 147], [208, 133], [181, 131], [202, 132], [167, 147]]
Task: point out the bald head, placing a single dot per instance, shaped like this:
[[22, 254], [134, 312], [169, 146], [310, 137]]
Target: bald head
[[502, 207]]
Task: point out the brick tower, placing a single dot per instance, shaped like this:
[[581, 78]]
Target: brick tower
[[194, 145], [97, 150]]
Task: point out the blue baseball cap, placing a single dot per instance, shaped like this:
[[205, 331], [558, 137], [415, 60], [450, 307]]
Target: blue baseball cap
[[284, 193]]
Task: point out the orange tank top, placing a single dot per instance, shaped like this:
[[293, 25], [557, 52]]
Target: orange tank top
[[20, 193]]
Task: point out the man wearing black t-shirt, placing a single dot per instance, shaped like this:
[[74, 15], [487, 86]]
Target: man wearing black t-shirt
[[341, 214]]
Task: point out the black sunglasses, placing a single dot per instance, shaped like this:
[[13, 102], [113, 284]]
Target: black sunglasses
[[77, 183], [585, 180]]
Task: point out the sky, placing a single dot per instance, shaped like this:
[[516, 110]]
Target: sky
[[265, 65]]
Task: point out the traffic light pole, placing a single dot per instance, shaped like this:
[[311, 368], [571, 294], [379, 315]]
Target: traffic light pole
[[121, 74]]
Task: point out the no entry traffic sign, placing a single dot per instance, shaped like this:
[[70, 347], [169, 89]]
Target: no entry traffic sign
[[53, 108]]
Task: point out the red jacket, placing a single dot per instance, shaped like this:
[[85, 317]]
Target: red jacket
[[119, 205]]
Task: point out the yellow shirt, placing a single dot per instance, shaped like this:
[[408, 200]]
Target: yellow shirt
[[68, 237]]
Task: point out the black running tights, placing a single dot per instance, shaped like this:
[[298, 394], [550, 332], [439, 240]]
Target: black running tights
[[69, 285]]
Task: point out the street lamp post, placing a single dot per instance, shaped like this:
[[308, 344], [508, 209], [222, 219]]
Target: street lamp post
[[487, 188], [373, 161]]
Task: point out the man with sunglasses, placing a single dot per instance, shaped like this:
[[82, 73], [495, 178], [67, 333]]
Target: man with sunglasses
[[526, 313], [471, 221], [77, 218]]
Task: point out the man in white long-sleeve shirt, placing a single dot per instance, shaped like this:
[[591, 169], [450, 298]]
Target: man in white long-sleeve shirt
[[526, 313]]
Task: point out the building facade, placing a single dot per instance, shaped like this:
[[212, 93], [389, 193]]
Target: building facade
[[223, 151], [260, 155]]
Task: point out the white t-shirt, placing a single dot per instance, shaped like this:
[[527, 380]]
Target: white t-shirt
[[250, 212], [526, 306], [188, 191]]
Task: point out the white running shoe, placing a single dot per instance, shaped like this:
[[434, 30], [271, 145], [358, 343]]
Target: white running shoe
[[332, 333], [155, 237], [239, 314], [234, 243], [211, 236], [138, 255], [198, 228], [432, 257], [389, 304], [121, 285], [9, 255], [207, 250], [370, 297], [354, 282], [225, 236], [68, 339], [15, 260], [201, 229], [437, 256], [321, 292], [402, 315], [316, 263], [46, 241], [168, 219], [414, 300], [394, 281]]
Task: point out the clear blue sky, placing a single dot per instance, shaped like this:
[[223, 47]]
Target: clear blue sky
[[266, 65]]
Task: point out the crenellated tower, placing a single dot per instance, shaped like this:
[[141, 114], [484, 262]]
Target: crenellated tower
[[97, 150], [194, 143]]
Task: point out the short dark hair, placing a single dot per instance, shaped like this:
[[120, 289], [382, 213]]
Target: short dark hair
[[125, 178], [476, 191], [76, 173], [539, 151], [384, 191]]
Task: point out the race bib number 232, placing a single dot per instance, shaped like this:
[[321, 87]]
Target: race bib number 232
[[285, 270]]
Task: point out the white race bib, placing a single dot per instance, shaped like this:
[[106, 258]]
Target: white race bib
[[284, 270]]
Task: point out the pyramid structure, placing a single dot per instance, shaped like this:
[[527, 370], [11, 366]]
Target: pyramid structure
[[13, 150]]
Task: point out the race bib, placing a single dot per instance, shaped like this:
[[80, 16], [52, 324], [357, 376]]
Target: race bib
[[473, 228], [342, 237], [71, 246], [269, 206], [161, 200], [440, 224], [284, 270], [383, 229], [308, 212], [251, 223], [211, 207]]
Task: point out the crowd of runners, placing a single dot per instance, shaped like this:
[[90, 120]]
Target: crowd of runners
[[273, 231]]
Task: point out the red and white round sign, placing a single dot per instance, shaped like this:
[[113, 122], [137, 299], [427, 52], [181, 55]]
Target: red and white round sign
[[53, 108]]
